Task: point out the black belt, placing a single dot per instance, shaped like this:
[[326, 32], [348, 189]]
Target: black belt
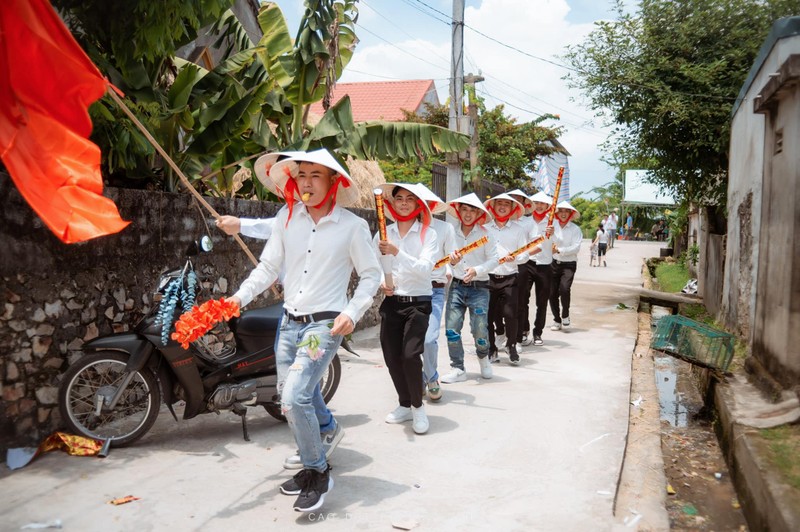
[[310, 318], [476, 284], [411, 299], [565, 262], [494, 277], [434, 284]]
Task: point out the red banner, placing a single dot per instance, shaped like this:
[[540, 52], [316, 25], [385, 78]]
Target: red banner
[[46, 85]]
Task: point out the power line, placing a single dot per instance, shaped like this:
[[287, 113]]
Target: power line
[[402, 50]]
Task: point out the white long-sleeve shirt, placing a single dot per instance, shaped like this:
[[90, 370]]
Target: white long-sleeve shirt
[[445, 244], [317, 260], [484, 259], [568, 241], [412, 266], [508, 238], [260, 228], [545, 256]]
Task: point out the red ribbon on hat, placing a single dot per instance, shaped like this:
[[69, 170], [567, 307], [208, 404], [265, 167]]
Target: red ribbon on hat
[[538, 217], [502, 219], [571, 216], [480, 220], [426, 215], [291, 189]]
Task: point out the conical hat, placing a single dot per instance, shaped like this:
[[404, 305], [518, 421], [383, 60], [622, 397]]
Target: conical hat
[[541, 197], [263, 165], [566, 205], [489, 204], [526, 200], [426, 195], [387, 189], [470, 199], [282, 170]]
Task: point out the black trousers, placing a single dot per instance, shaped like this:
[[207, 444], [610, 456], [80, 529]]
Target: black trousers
[[403, 328], [503, 301], [563, 275], [537, 277]]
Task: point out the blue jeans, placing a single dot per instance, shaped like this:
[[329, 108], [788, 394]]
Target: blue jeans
[[474, 297], [300, 370], [430, 354], [324, 416]]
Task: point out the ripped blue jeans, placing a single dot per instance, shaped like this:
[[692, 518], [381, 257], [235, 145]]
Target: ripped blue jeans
[[474, 297], [300, 370]]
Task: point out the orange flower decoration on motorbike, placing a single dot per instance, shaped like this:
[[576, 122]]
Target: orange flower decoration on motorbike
[[198, 321]]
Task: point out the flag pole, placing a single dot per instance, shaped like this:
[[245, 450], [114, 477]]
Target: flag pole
[[114, 96]]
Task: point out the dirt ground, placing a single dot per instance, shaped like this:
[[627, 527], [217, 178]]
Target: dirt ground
[[704, 497]]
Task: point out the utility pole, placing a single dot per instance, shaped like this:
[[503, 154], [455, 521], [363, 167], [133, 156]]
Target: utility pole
[[470, 80], [456, 97]]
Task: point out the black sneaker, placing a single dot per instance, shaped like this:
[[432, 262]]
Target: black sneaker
[[513, 356], [295, 485], [537, 340], [313, 494]]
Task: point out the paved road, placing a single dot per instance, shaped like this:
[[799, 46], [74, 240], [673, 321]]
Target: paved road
[[538, 447]]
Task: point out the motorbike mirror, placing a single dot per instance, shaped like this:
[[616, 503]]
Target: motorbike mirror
[[206, 244]]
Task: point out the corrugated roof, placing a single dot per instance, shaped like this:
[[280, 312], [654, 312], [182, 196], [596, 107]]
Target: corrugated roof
[[381, 100]]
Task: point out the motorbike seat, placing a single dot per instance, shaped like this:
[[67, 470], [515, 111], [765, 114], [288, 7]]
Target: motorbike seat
[[257, 321]]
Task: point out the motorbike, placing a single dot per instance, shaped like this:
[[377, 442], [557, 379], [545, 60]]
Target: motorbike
[[115, 390]]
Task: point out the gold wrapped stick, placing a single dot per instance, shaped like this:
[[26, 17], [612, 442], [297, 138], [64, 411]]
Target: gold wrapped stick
[[536, 242], [381, 215], [463, 251], [552, 212]]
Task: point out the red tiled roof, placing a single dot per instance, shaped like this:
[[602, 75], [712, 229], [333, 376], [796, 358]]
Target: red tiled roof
[[381, 100]]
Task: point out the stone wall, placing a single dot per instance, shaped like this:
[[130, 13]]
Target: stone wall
[[55, 296]]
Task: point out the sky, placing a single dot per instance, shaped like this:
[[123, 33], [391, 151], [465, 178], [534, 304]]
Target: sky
[[411, 39]]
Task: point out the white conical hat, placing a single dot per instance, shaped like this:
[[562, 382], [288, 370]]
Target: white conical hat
[[426, 195], [263, 165], [566, 205], [387, 189], [470, 199], [282, 170], [526, 200], [517, 213], [541, 197]]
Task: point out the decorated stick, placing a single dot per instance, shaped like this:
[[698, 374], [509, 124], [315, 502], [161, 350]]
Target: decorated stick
[[536, 242], [552, 212], [463, 251], [386, 260]]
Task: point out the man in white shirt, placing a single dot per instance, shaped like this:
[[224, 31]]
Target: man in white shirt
[[317, 244], [470, 287], [406, 308], [566, 241], [611, 228], [259, 228], [509, 236], [445, 243]]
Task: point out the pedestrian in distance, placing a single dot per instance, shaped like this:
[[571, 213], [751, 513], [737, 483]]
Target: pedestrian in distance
[[566, 244], [535, 275], [470, 287], [406, 307], [601, 241], [445, 240], [503, 298], [611, 227], [317, 244], [593, 255]]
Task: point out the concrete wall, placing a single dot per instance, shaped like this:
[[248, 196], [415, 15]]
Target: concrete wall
[[54, 296], [776, 324]]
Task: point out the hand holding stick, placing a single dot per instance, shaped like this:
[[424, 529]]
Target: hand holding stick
[[466, 249], [536, 242], [386, 260], [552, 213]]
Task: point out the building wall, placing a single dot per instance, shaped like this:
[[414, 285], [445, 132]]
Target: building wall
[[54, 296]]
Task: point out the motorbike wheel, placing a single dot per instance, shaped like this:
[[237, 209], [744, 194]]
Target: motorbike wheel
[[329, 383], [91, 382]]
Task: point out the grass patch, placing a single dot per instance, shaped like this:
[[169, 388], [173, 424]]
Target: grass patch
[[671, 277], [698, 312], [784, 451]]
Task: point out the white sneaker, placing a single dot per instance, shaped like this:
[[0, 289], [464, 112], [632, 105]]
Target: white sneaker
[[555, 326], [526, 340], [500, 342], [565, 321], [455, 375], [486, 367], [420, 423], [399, 415], [329, 442]]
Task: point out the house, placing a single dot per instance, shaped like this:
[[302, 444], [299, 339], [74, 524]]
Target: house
[[384, 100]]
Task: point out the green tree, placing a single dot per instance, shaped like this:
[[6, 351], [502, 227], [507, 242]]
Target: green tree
[[669, 75]]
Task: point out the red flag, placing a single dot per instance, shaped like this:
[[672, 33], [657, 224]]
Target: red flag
[[46, 85]]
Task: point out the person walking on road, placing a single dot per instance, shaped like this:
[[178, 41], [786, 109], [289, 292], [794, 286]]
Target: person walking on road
[[406, 308], [470, 288], [566, 243], [445, 243], [317, 244], [611, 227], [601, 240]]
